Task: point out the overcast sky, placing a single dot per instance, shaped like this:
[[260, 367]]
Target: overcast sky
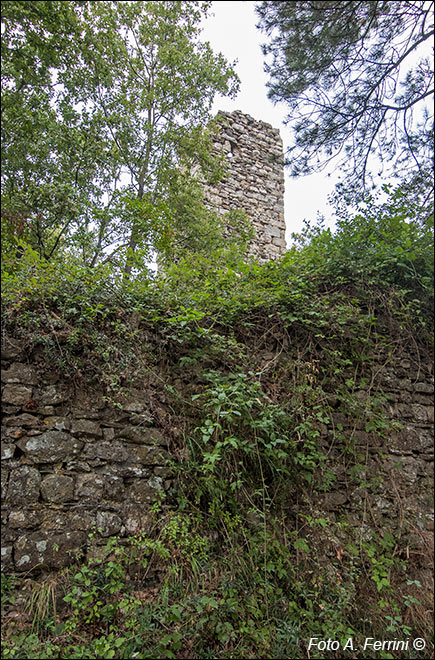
[[231, 31]]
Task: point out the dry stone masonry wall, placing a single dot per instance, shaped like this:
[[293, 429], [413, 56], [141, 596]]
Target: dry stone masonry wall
[[254, 180], [72, 463]]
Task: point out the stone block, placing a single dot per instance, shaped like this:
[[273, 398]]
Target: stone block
[[19, 373], [112, 452], [25, 420], [52, 396], [145, 490], [136, 518], [51, 447], [24, 518], [40, 550], [16, 395], [114, 488], [109, 433], [57, 488], [419, 412], [57, 422], [424, 388], [142, 435], [334, 500], [149, 455], [24, 483], [7, 450], [7, 563], [89, 486], [108, 523], [86, 427]]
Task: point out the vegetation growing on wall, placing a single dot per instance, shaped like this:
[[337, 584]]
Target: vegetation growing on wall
[[270, 375], [255, 362]]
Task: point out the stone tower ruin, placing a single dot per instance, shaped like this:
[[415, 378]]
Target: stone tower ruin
[[254, 179]]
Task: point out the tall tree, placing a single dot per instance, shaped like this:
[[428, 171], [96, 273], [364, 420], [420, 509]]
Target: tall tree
[[120, 118], [358, 82]]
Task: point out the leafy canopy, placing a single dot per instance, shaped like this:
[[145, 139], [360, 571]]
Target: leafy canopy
[[104, 107], [357, 82]]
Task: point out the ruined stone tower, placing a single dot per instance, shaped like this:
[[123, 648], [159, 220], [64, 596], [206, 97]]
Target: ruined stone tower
[[254, 181]]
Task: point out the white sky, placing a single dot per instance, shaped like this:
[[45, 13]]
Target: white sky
[[230, 29]]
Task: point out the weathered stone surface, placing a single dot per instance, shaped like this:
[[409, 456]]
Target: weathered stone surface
[[7, 563], [4, 482], [109, 433], [149, 455], [108, 523], [145, 490], [11, 349], [51, 447], [114, 488], [27, 518], [52, 395], [142, 435], [20, 373], [25, 420], [134, 406], [64, 519], [57, 422], [254, 179], [57, 488], [7, 450], [106, 451], [83, 520], [38, 550], [136, 518], [407, 469], [419, 412], [89, 486], [24, 483], [161, 471], [86, 427], [410, 439], [424, 388], [78, 466], [10, 410], [16, 395], [125, 470]]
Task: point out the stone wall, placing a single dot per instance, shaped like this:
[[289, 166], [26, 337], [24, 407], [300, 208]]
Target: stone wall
[[72, 462], [254, 180]]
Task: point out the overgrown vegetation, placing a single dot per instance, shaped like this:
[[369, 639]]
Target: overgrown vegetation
[[255, 362], [268, 372]]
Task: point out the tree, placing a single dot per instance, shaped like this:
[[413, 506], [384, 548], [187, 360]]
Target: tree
[[38, 39], [356, 82], [118, 115]]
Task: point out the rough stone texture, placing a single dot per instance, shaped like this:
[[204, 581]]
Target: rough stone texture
[[20, 373], [16, 395], [24, 485], [42, 550], [254, 180], [70, 466], [57, 488], [50, 447]]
